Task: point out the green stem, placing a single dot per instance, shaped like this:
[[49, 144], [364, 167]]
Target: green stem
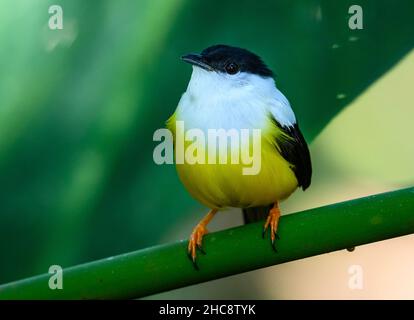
[[230, 252]]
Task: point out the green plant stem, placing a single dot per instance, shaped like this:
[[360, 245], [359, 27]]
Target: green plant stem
[[161, 268]]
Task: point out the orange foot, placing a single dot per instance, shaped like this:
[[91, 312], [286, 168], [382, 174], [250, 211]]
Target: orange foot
[[196, 237], [273, 221]]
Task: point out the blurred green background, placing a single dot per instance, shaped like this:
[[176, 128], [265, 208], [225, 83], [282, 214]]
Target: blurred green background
[[79, 106]]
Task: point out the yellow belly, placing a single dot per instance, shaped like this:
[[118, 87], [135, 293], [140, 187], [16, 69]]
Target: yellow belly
[[224, 185]]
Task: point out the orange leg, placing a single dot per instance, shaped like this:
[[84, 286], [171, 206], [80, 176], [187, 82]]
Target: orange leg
[[272, 221], [196, 237]]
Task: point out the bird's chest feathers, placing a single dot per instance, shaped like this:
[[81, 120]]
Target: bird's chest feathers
[[214, 111]]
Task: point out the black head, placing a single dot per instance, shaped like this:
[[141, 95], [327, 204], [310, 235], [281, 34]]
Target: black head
[[230, 60]]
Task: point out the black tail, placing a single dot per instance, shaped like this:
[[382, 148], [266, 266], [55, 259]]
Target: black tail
[[256, 213]]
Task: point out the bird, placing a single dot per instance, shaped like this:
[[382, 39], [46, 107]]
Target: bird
[[232, 88]]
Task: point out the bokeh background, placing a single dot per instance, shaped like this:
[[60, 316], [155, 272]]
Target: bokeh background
[[79, 106]]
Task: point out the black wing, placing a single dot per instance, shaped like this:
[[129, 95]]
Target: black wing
[[295, 151]]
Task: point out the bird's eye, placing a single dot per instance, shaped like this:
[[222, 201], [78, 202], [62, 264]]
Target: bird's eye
[[232, 68]]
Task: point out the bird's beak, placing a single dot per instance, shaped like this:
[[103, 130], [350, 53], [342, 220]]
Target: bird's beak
[[197, 60]]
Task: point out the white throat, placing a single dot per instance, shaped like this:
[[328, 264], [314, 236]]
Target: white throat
[[215, 100]]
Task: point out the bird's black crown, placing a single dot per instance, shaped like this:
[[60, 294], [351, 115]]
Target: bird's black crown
[[232, 59]]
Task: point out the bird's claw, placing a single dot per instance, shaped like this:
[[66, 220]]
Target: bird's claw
[[264, 233], [195, 243], [193, 260], [272, 222], [274, 246], [201, 249]]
